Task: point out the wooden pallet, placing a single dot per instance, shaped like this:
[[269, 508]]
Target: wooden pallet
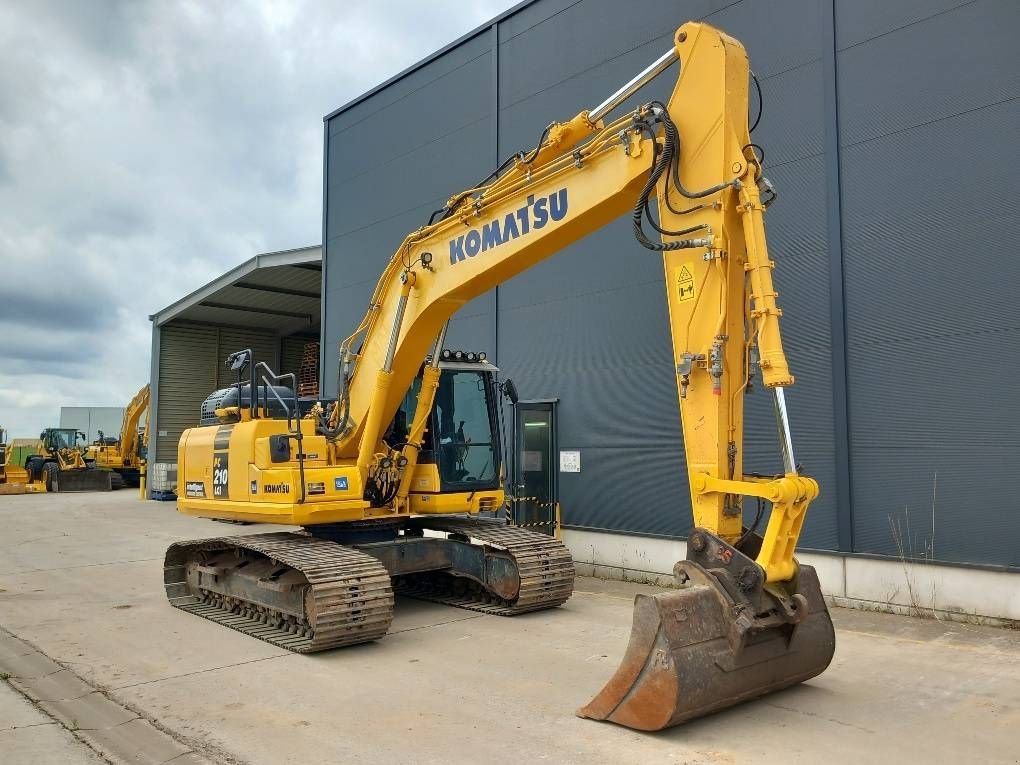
[[308, 374]]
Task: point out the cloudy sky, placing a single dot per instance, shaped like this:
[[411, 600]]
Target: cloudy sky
[[146, 147]]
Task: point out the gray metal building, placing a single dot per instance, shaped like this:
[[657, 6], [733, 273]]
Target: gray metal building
[[889, 130], [92, 419]]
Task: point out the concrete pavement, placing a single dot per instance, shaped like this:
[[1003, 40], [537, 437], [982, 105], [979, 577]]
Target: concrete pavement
[[29, 735], [81, 580]]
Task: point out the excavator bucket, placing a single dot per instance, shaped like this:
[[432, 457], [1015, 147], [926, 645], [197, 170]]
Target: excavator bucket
[[699, 650], [82, 480]]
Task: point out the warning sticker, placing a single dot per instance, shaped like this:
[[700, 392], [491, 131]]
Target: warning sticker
[[684, 283]]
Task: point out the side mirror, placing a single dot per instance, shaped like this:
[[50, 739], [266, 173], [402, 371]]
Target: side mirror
[[510, 391]]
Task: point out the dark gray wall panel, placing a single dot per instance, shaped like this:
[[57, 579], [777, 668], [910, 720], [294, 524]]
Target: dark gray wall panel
[[858, 21], [413, 94], [385, 191], [947, 64], [952, 431], [932, 263], [626, 500], [612, 371], [927, 128]]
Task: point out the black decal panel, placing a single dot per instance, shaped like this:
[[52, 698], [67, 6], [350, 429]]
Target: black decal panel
[[221, 474]]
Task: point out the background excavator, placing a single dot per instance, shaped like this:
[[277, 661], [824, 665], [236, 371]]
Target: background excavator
[[124, 456], [390, 481]]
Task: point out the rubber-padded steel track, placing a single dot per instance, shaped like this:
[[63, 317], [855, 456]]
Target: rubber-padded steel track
[[349, 599], [544, 564]]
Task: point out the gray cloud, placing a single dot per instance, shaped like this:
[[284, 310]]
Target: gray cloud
[[146, 147]]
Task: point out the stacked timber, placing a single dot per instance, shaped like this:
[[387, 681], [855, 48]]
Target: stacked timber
[[308, 375]]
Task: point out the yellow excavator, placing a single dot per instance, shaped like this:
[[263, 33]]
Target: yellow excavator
[[390, 482], [124, 456]]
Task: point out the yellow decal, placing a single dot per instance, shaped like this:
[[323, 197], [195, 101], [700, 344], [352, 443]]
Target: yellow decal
[[684, 284]]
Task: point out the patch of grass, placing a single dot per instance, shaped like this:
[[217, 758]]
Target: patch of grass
[[911, 553]]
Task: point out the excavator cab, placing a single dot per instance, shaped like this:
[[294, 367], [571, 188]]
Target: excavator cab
[[461, 450], [57, 439]]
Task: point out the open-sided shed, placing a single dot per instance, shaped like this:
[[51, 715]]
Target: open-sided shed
[[270, 303]]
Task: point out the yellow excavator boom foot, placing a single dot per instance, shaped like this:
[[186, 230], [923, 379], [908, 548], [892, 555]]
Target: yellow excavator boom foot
[[717, 641]]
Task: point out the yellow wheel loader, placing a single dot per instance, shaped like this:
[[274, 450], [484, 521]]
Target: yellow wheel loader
[[13, 476], [391, 481], [59, 464], [124, 456]]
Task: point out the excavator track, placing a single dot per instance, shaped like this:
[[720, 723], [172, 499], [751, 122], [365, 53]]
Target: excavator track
[[543, 563], [346, 595]]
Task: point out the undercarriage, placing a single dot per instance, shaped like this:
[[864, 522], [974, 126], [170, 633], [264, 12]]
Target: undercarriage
[[306, 593]]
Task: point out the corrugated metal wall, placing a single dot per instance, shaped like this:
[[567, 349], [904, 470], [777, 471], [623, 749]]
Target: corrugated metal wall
[[265, 346], [191, 366], [929, 121], [886, 129], [188, 364], [291, 354]]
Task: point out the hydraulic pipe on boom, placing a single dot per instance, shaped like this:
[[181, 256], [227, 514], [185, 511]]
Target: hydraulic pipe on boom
[[746, 618]]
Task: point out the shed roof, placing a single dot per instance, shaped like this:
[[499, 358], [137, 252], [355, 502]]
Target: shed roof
[[279, 291]]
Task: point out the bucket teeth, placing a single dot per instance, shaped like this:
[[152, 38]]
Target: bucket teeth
[[690, 655]]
